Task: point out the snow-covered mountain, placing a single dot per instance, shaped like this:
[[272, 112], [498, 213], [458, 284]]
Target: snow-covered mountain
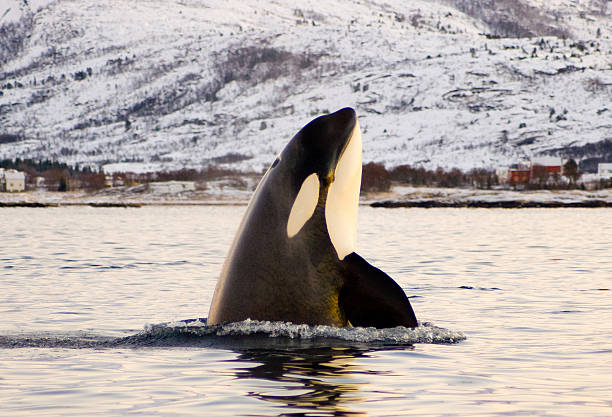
[[165, 84]]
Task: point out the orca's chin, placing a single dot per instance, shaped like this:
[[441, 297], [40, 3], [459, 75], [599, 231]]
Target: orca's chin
[[343, 197]]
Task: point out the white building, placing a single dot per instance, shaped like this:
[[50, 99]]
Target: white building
[[502, 173], [12, 181], [604, 170]]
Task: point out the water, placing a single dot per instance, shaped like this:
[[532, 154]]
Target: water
[[94, 301]]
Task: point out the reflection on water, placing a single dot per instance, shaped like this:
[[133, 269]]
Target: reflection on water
[[323, 380]]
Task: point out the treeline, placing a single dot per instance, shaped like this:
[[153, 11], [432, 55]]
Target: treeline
[[58, 176], [42, 166], [375, 177], [55, 176], [210, 173]]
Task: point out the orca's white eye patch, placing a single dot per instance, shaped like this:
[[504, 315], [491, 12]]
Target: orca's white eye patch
[[343, 198], [304, 205]]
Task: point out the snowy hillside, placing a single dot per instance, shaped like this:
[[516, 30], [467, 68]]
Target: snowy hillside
[[166, 84]]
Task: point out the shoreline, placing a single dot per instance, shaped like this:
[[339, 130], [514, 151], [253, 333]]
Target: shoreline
[[390, 204], [28, 204], [177, 193], [507, 204]]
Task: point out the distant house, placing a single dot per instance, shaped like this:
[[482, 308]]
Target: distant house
[[604, 170], [553, 165], [39, 182], [12, 181], [519, 175], [502, 174], [516, 174]]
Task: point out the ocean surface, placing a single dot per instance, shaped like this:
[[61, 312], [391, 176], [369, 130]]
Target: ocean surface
[[103, 312]]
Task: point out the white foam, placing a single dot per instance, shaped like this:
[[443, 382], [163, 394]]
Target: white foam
[[425, 333]]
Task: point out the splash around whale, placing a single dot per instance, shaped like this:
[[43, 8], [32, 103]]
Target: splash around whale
[[240, 335]]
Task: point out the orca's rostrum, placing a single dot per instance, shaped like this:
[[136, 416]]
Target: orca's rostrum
[[293, 256]]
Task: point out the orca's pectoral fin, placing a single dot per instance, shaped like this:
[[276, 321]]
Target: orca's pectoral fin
[[371, 298]]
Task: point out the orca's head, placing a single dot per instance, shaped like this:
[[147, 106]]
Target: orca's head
[[322, 163], [318, 146]]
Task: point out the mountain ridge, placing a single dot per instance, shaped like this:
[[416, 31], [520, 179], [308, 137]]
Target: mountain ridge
[[171, 84]]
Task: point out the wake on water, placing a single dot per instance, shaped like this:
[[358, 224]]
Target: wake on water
[[244, 334]]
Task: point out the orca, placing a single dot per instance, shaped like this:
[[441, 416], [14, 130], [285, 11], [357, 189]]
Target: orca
[[293, 257]]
